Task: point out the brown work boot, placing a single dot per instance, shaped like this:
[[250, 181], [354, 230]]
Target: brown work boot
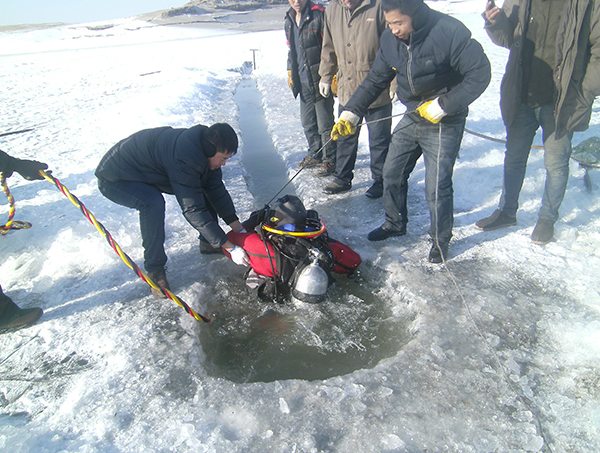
[[159, 278], [309, 162], [326, 169]]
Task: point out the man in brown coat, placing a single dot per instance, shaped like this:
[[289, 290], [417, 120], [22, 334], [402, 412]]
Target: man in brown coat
[[554, 54], [350, 44]]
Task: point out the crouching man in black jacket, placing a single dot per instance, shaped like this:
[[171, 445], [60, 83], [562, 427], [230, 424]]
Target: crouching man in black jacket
[[440, 70], [184, 162]]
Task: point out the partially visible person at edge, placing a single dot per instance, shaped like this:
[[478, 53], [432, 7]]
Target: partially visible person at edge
[[11, 316], [440, 70], [304, 32], [185, 162], [350, 43], [551, 79]]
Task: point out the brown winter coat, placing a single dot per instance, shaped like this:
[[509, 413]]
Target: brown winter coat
[[350, 45], [577, 73]]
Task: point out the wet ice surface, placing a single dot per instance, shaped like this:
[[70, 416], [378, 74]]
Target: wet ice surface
[[512, 367]]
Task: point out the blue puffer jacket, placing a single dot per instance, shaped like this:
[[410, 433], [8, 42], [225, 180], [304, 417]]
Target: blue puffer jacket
[[175, 162], [441, 60]]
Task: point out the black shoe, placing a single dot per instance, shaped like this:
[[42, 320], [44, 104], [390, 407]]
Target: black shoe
[[326, 169], [543, 232], [383, 232], [22, 318], [160, 278], [337, 187], [497, 220], [207, 249], [438, 252], [309, 162], [376, 190]]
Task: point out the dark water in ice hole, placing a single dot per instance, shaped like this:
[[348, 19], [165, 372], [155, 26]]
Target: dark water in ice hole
[[251, 341]]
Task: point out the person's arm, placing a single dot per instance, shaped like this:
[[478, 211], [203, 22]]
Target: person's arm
[[469, 60], [500, 24], [591, 80], [328, 66], [28, 169]]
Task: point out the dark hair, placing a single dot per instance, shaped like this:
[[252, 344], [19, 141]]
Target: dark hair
[[223, 137], [406, 7]]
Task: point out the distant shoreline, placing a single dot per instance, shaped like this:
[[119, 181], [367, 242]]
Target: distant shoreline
[[268, 17]]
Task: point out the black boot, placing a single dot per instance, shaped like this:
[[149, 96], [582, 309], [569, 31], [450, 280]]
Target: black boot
[[439, 252]]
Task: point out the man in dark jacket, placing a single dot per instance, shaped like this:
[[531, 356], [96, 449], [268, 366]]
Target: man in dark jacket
[[184, 162], [11, 316], [304, 32], [440, 70], [531, 29]]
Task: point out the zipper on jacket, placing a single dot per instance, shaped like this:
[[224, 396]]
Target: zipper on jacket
[[409, 70]]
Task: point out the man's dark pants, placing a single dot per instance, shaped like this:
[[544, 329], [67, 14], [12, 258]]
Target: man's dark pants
[[150, 203], [317, 120], [380, 128], [439, 144]]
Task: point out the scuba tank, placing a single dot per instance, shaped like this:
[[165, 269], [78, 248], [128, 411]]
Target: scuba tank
[[310, 282]]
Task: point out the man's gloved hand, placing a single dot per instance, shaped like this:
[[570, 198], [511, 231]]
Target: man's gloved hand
[[431, 111], [239, 256], [290, 81], [324, 89], [346, 125], [28, 169], [334, 85]]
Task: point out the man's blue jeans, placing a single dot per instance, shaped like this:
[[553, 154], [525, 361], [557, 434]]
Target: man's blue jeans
[[380, 129], [439, 144], [519, 137], [317, 120], [150, 203]]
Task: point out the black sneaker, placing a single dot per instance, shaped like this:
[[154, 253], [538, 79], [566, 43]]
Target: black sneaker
[[497, 220], [337, 187], [438, 252], [384, 232], [543, 232], [22, 318], [160, 278], [326, 169], [376, 190], [309, 162]]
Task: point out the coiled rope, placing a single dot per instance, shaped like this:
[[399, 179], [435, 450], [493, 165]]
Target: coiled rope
[[10, 223]]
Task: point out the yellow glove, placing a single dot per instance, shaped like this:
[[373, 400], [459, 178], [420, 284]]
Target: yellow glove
[[431, 111], [334, 85], [346, 125], [290, 81]]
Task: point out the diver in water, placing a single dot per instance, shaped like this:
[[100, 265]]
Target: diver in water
[[291, 254]]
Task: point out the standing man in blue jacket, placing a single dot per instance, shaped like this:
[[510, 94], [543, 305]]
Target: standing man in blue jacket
[[440, 70], [304, 32], [187, 163]]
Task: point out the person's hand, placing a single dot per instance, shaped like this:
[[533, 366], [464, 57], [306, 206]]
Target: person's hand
[[290, 81], [346, 125], [29, 169], [239, 256], [324, 89], [431, 111], [334, 85], [491, 12]]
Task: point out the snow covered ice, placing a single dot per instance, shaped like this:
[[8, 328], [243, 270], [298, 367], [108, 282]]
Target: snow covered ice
[[497, 351]]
